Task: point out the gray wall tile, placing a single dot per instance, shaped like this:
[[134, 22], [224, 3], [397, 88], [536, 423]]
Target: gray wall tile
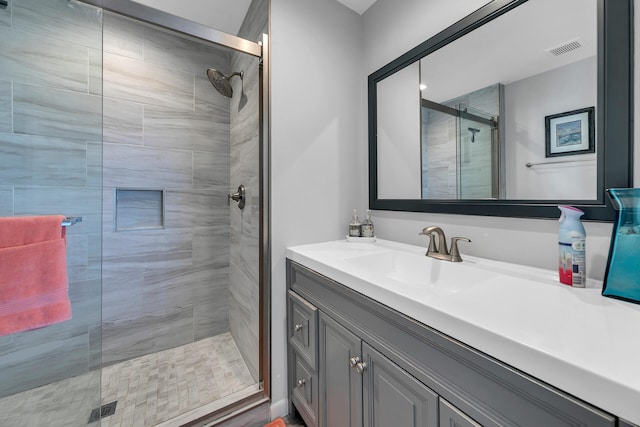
[[95, 71], [211, 169], [139, 81], [179, 52], [122, 121], [187, 130], [94, 164], [55, 361], [50, 62], [195, 208], [166, 289], [60, 20], [129, 166], [67, 201], [5, 15], [150, 333], [244, 225], [46, 161], [211, 245], [6, 119], [121, 295], [134, 252], [56, 113], [123, 36], [6, 200]]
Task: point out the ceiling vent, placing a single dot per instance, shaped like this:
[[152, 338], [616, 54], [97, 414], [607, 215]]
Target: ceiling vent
[[565, 47]]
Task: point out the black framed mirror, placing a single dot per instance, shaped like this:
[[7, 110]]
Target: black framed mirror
[[484, 176]]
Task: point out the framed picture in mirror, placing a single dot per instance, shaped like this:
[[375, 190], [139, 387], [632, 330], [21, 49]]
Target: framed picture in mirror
[[569, 133]]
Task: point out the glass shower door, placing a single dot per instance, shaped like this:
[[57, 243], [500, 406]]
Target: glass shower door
[[477, 154], [51, 163]]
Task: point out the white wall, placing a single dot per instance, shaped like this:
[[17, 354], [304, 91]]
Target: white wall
[[316, 132], [399, 161], [527, 102]]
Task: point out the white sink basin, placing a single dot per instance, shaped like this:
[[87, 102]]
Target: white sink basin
[[402, 269]]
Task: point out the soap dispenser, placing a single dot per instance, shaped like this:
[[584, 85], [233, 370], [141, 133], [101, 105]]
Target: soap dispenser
[[571, 242], [354, 225], [367, 226]]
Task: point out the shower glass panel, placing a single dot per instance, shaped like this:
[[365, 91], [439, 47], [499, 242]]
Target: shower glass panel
[[477, 154], [51, 163], [114, 121]]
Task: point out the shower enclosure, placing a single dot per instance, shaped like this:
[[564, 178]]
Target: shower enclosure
[[109, 117], [461, 146]]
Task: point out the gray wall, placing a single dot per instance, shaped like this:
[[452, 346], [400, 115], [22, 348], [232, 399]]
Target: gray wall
[[165, 127], [245, 224], [50, 163]]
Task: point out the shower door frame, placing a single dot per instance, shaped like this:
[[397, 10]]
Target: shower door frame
[[259, 50]]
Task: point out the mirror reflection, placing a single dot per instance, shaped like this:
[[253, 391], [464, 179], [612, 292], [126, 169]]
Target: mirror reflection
[[504, 112]]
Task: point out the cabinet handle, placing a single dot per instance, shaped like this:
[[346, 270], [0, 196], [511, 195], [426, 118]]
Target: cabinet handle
[[360, 367], [298, 327], [301, 382], [353, 361]]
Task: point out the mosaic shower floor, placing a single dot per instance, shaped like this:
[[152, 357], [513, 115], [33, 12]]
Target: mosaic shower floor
[[150, 390]]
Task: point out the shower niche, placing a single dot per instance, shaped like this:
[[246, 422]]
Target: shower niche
[[137, 209]]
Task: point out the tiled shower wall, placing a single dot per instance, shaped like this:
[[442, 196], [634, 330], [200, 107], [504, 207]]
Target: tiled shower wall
[[245, 169], [50, 163], [165, 128]]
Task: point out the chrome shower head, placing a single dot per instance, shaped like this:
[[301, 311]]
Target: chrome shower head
[[221, 82]]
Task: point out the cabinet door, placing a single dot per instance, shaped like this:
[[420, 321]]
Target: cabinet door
[[392, 397], [450, 416], [340, 384]]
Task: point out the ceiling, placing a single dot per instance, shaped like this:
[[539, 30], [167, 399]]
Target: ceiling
[[223, 15], [359, 6]]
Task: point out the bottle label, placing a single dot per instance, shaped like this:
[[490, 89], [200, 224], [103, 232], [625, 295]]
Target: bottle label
[[571, 266], [354, 230], [367, 230]]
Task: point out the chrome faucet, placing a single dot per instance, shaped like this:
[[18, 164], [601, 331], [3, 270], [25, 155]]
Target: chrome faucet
[[439, 250]]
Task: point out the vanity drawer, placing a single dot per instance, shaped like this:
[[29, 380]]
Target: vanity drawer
[[302, 325], [304, 390]]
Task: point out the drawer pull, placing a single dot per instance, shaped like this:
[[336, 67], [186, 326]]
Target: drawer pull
[[301, 382], [360, 367], [353, 361], [298, 327]]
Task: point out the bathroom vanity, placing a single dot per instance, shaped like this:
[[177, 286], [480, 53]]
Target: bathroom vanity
[[381, 335]]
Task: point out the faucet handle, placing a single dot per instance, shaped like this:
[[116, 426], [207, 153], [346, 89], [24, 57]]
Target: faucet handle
[[432, 241], [455, 254]]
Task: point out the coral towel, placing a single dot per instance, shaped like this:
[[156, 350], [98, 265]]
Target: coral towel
[[33, 273]]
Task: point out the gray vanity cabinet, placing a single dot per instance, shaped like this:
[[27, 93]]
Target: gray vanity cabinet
[[360, 386], [340, 383], [392, 397], [355, 362]]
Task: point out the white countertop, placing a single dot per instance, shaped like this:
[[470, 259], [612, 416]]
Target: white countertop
[[572, 338]]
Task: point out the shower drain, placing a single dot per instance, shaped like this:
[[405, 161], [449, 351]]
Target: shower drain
[[103, 411]]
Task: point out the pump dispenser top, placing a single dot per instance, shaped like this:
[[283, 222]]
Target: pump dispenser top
[[571, 242]]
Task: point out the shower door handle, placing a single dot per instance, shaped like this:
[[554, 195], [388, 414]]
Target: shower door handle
[[238, 196]]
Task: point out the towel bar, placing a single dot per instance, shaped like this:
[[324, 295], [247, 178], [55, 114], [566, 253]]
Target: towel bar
[[70, 220]]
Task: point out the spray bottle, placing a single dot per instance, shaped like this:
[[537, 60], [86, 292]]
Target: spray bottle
[[571, 241]]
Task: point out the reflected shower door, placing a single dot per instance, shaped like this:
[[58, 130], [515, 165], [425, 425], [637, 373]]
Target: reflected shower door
[[477, 154], [51, 163]]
